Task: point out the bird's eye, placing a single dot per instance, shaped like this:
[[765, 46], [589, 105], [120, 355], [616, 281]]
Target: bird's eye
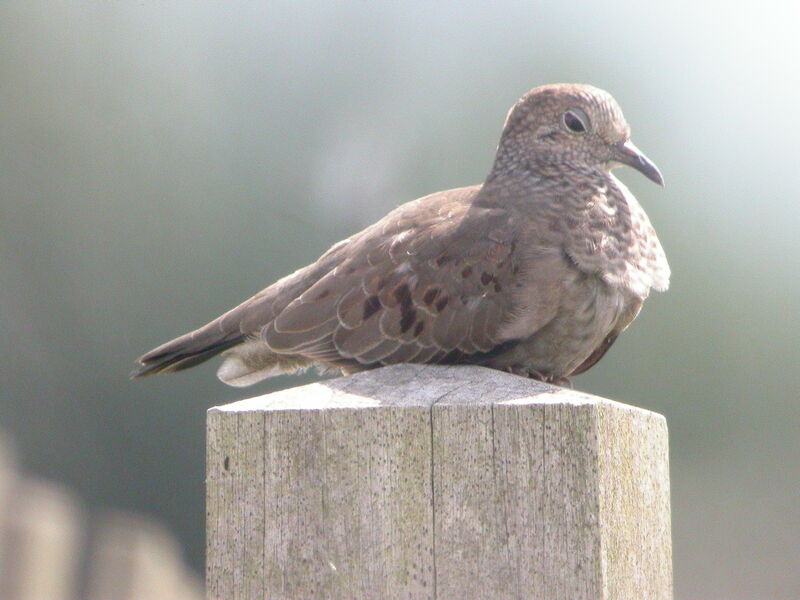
[[575, 121]]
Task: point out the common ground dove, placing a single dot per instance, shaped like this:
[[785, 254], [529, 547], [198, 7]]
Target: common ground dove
[[536, 271]]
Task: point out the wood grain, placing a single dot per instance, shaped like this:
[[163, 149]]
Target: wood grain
[[423, 482]]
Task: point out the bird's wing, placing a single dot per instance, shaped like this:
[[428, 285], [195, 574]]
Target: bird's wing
[[438, 276], [433, 277]]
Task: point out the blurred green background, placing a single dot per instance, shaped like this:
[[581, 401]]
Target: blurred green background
[[161, 162]]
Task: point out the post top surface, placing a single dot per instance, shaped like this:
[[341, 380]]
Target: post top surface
[[422, 386]]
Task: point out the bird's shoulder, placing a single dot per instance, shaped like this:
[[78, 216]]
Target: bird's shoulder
[[450, 223]]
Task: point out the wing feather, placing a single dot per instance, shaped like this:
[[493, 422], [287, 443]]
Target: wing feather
[[425, 284]]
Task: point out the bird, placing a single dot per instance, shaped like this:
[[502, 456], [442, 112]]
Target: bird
[[536, 271]]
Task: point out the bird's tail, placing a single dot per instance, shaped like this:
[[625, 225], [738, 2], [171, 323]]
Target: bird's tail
[[187, 351]]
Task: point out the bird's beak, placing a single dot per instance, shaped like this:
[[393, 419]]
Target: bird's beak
[[627, 153]]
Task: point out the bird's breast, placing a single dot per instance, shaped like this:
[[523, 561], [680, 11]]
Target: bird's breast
[[609, 234]]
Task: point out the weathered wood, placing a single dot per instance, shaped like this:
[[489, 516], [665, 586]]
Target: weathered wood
[[134, 558], [40, 536], [43, 533], [437, 482]]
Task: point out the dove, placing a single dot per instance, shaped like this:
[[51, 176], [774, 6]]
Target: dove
[[536, 271]]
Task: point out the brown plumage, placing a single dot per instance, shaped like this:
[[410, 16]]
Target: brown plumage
[[536, 271]]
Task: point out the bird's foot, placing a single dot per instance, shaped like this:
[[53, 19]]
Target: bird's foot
[[538, 376], [525, 372], [562, 381]]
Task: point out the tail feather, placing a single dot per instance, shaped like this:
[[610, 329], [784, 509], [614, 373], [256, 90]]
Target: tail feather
[[184, 352], [237, 326]]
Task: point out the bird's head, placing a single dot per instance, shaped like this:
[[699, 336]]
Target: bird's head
[[571, 126]]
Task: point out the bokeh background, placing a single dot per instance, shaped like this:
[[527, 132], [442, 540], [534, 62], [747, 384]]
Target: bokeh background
[[160, 162]]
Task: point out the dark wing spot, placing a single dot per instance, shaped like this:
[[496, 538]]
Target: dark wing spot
[[371, 306], [442, 259], [442, 303], [430, 296], [466, 272], [487, 278], [402, 294], [323, 294], [407, 319], [418, 328]]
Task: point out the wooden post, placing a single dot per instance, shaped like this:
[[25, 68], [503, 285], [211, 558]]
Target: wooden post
[[429, 482], [43, 550], [40, 536], [135, 558]]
